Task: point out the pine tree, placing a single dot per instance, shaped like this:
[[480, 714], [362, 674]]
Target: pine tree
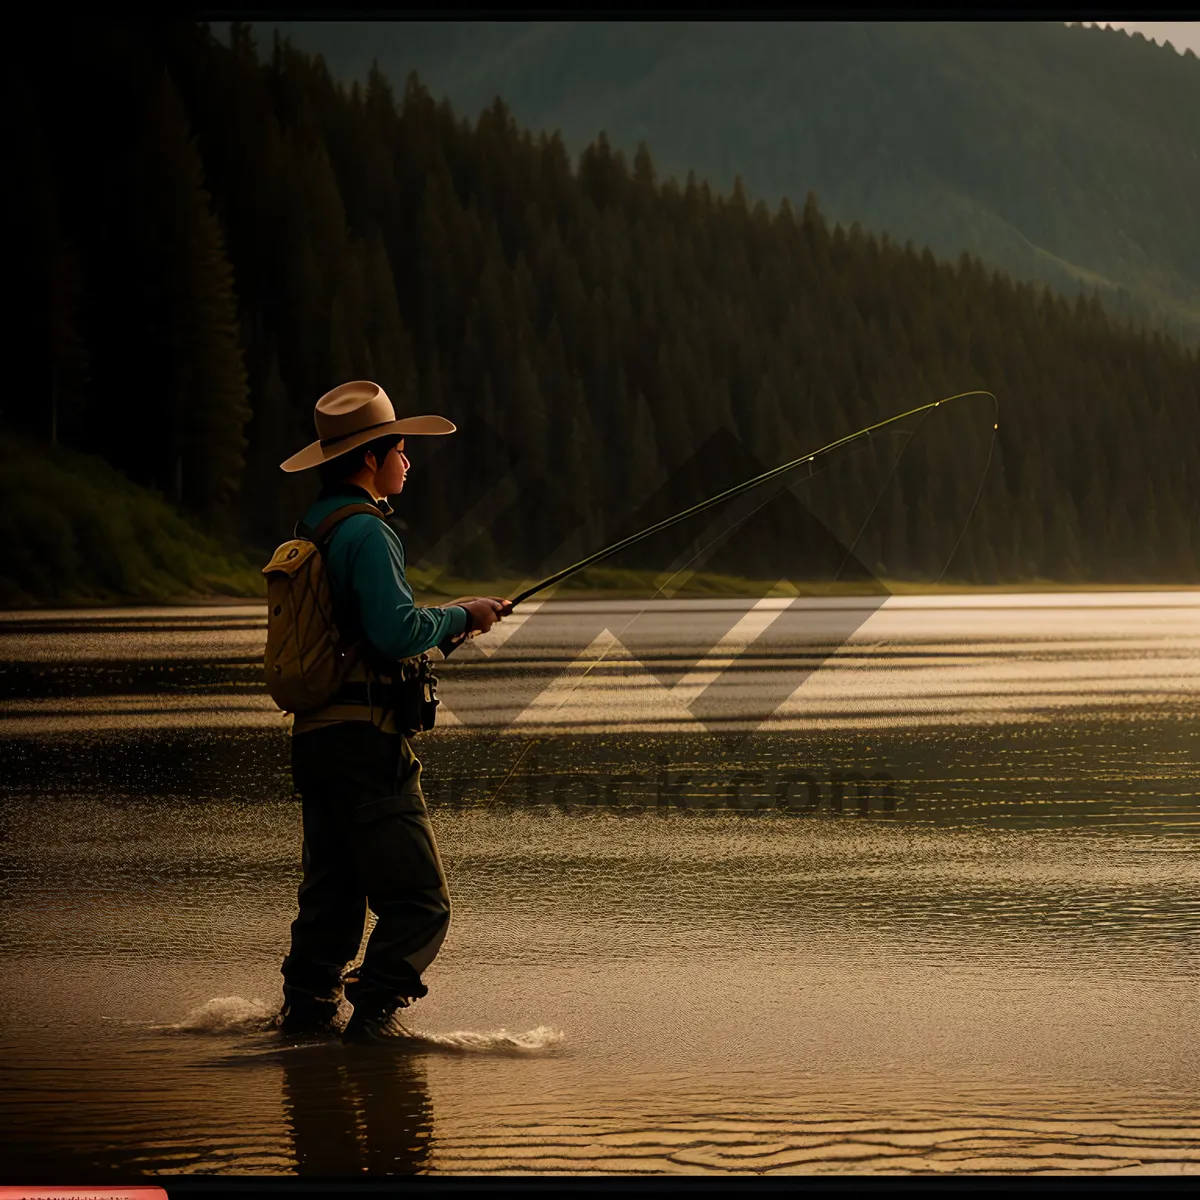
[[50, 371], [273, 497], [528, 415], [201, 396], [642, 469], [388, 340], [350, 354]]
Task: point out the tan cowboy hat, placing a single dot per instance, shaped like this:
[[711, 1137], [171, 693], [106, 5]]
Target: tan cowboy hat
[[355, 413]]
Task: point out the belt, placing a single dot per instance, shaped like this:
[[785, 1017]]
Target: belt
[[413, 701], [380, 695]]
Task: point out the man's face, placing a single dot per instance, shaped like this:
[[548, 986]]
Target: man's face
[[389, 475]]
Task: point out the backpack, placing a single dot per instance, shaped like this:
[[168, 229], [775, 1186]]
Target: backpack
[[307, 659]]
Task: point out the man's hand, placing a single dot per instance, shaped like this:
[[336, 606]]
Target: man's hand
[[485, 611]]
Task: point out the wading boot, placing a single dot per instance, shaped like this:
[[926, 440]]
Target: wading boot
[[376, 1015], [382, 1027], [306, 1020]]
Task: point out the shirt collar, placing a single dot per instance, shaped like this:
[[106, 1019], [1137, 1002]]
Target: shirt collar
[[361, 494]]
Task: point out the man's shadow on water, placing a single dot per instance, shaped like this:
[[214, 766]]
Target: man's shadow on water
[[351, 1112]]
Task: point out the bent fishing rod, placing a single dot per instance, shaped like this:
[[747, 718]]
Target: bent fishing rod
[[451, 644]]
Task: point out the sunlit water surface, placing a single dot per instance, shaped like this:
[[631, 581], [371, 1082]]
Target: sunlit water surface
[[938, 934]]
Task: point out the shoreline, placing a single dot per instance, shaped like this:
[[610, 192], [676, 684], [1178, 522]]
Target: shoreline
[[724, 589]]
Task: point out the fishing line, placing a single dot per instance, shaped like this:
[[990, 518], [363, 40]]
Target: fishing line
[[737, 490], [978, 494], [738, 521], [971, 512], [879, 496], [617, 637]]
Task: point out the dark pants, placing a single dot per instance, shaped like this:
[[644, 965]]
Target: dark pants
[[367, 842]]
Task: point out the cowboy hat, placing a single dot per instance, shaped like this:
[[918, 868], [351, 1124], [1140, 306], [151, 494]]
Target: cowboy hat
[[355, 413]]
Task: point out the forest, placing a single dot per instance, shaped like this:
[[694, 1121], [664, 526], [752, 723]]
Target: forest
[[1063, 154], [215, 232]]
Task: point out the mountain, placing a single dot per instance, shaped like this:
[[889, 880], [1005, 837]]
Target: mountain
[[1061, 154]]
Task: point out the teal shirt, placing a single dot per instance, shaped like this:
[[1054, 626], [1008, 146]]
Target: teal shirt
[[365, 560]]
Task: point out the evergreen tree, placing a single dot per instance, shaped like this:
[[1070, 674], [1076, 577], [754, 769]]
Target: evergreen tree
[[50, 371], [388, 340], [197, 398]]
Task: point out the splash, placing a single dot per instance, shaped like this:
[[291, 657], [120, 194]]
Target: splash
[[223, 1014], [235, 1014], [499, 1041]]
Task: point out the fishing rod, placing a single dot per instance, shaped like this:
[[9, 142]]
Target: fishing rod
[[761, 504], [451, 644]]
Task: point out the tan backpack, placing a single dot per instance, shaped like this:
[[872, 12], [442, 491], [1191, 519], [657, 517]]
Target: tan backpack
[[307, 659]]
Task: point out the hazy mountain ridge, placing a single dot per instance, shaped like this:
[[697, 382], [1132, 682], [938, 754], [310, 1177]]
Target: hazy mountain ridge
[[1059, 154]]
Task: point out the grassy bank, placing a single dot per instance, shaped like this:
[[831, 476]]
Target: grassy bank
[[75, 531]]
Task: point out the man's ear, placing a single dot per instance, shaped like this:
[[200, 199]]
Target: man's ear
[[369, 461]]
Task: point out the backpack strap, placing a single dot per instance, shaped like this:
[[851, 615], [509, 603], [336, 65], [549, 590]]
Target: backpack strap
[[321, 537], [325, 529]]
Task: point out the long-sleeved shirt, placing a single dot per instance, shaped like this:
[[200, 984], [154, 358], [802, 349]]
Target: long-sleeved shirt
[[365, 561]]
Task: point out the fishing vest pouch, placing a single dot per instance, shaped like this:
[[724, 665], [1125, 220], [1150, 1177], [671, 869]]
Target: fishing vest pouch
[[409, 693]]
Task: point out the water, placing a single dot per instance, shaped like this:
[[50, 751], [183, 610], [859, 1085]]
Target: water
[[937, 912]]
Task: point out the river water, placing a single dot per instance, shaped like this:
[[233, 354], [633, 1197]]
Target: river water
[[912, 887]]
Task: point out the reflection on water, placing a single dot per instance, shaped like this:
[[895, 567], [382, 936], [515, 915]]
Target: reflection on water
[[354, 1114], [671, 952]]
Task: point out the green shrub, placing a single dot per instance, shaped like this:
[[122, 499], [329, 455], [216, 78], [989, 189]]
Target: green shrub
[[75, 530]]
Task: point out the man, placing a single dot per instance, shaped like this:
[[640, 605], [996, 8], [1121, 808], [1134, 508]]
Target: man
[[367, 836]]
